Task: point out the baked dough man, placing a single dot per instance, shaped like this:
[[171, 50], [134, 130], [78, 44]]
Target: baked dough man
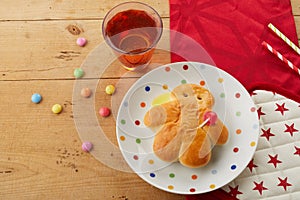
[[179, 137]]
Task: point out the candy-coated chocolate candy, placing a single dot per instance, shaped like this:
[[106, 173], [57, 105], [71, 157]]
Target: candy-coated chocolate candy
[[56, 108], [36, 98], [78, 73], [212, 116], [110, 89], [86, 92], [104, 112], [87, 146], [81, 41]]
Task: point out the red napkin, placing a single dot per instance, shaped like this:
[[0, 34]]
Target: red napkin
[[231, 31], [215, 195]]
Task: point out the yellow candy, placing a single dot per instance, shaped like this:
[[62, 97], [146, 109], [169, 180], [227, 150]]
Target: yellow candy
[[56, 108], [110, 89]]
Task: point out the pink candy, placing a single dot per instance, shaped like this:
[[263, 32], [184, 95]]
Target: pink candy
[[104, 111], [81, 42], [211, 116], [87, 146]]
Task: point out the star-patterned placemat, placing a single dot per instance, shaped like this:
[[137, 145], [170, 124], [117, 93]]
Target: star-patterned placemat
[[273, 172]]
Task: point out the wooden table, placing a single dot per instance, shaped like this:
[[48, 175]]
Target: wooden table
[[40, 152]]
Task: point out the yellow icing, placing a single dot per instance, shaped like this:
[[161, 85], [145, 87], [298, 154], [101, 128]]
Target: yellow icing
[[163, 98]]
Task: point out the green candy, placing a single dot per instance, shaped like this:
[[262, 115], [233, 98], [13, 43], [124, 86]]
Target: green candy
[[78, 73]]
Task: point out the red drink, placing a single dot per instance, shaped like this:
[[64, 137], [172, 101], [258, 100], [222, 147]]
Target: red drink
[[133, 35]]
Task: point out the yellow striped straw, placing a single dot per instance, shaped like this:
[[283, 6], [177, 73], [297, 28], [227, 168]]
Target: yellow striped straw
[[284, 38]]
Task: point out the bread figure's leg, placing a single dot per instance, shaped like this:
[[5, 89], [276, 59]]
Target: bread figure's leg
[[195, 149]]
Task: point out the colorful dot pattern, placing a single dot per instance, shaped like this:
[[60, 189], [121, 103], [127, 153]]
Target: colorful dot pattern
[[195, 180], [143, 104], [151, 162], [171, 175], [135, 157], [194, 177], [235, 149], [252, 144], [137, 122], [147, 88], [165, 87], [233, 167], [122, 138], [138, 141], [170, 187]]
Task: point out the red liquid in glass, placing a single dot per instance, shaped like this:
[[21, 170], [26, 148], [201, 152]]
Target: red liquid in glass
[[133, 32]]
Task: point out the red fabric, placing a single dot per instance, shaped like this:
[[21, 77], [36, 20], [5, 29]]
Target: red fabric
[[215, 195], [231, 31]]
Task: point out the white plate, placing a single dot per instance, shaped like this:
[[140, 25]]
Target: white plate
[[233, 105]]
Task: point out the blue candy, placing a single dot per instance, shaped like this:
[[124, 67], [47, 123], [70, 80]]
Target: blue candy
[[36, 98]]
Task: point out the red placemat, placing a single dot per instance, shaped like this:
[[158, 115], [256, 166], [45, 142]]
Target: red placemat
[[232, 31]]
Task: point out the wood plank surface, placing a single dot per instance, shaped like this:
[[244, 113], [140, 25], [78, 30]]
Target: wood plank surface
[[72, 9], [48, 49], [295, 7], [40, 152], [66, 10], [297, 23]]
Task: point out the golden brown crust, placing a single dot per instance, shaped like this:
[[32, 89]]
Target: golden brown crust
[[217, 133], [162, 114], [166, 142], [179, 137], [198, 151]]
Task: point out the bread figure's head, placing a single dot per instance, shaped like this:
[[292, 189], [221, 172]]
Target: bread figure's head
[[193, 93]]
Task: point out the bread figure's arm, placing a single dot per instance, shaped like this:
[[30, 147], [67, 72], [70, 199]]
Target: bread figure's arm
[[161, 114], [217, 132], [167, 142]]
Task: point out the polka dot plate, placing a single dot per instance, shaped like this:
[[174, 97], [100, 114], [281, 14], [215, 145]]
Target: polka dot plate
[[233, 105]]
